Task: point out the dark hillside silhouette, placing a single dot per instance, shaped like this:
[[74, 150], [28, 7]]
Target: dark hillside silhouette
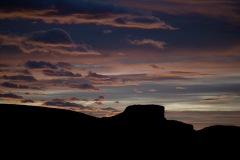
[[139, 129]]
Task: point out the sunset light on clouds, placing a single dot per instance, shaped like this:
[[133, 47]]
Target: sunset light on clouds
[[99, 56]]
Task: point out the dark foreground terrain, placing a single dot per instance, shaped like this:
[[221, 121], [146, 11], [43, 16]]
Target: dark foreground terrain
[[139, 130]]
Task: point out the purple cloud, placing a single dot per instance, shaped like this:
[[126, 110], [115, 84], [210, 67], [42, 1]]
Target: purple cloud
[[20, 78], [60, 73], [84, 86], [14, 85], [10, 95], [39, 65]]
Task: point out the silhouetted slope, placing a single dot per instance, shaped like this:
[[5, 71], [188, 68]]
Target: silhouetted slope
[[140, 129]]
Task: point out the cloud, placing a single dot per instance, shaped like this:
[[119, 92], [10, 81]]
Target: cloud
[[65, 65], [98, 103], [225, 97], [74, 99], [138, 91], [117, 102], [10, 95], [51, 41], [180, 88], [221, 9], [84, 86], [154, 66], [157, 44], [97, 77], [18, 86], [2, 65], [152, 90], [61, 73], [22, 71], [20, 78], [62, 103], [78, 12], [27, 101], [100, 98], [53, 37], [183, 73], [39, 65]]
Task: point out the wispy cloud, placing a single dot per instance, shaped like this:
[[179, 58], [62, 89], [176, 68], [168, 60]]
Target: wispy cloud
[[180, 88], [76, 12], [10, 95], [19, 78], [157, 44], [39, 65], [27, 101], [152, 90], [61, 73], [18, 86], [93, 111], [84, 86], [224, 97], [62, 103], [51, 41], [221, 9]]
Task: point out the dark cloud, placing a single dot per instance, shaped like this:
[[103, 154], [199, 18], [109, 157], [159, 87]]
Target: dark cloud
[[27, 101], [84, 86], [148, 77], [110, 111], [101, 79], [95, 75], [2, 65], [62, 103], [224, 97], [98, 103], [20, 78], [65, 65], [97, 12], [221, 9], [99, 100], [10, 95], [183, 73], [116, 102], [22, 71], [54, 36], [39, 65], [60, 73], [14, 85], [154, 66], [50, 41], [74, 99]]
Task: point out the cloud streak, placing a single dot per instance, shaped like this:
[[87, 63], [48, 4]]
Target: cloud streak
[[10, 95], [61, 73], [225, 97], [78, 12], [50, 41], [19, 78], [157, 44], [221, 9], [18, 86]]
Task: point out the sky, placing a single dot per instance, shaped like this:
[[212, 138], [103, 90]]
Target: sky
[[99, 56]]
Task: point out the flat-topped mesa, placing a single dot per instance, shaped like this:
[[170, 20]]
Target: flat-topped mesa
[[146, 112]]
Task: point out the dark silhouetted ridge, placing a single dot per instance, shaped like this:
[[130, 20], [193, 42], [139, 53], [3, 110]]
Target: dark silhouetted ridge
[[139, 129]]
